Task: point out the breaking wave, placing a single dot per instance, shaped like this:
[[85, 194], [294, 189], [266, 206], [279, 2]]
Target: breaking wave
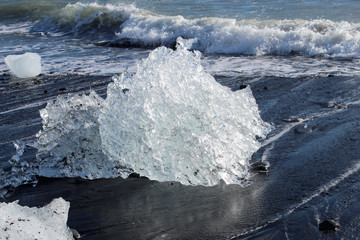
[[170, 121], [128, 26]]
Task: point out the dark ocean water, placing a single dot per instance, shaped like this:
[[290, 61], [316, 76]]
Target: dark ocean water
[[299, 58], [271, 38]]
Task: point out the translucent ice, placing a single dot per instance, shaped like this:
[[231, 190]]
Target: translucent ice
[[20, 172], [24, 66], [176, 123], [48, 222], [69, 145], [170, 121]]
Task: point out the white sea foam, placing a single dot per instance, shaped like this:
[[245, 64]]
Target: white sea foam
[[274, 66], [250, 37], [171, 121], [15, 28], [48, 222], [323, 38]]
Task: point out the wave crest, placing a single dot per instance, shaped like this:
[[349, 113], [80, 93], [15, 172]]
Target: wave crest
[[86, 18], [126, 25]]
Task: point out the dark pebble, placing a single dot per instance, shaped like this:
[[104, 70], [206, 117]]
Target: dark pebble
[[259, 167], [299, 130], [62, 89], [80, 180], [134, 175], [242, 86], [328, 226]]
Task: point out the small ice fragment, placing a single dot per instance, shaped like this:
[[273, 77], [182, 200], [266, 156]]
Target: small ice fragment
[[48, 222], [25, 65], [186, 44]]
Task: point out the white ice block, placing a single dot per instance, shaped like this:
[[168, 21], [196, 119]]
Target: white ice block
[[22, 222], [25, 65]]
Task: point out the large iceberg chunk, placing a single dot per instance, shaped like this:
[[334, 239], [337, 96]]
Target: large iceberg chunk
[[48, 222], [170, 121], [24, 66]]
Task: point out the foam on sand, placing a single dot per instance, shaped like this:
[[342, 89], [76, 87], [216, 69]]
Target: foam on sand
[[24, 66]]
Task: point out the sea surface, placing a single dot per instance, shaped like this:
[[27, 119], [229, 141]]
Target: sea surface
[[289, 98], [248, 38]]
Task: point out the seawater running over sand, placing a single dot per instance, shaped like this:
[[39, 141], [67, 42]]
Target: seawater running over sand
[[291, 65]]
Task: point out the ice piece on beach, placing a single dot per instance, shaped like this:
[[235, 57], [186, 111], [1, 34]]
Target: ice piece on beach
[[69, 144], [20, 173], [170, 121], [25, 65], [22, 222]]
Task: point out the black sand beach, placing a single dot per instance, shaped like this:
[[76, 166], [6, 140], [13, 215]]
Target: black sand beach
[[313, 153]]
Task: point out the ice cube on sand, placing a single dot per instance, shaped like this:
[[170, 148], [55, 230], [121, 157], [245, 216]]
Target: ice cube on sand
[[22, 222], [25, 65]]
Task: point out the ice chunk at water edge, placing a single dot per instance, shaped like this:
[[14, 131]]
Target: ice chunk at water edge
[[24, 66], [170, 121], [176, 123], [48, 222]]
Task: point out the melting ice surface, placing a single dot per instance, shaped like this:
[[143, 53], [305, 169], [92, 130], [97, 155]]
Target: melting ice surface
[[170, 121], [48, 222], [25, 65]]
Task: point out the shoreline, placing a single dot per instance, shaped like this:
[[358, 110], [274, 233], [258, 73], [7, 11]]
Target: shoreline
[[297, 193]]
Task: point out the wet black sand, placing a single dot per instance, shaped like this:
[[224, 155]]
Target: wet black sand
[[313, 152]]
